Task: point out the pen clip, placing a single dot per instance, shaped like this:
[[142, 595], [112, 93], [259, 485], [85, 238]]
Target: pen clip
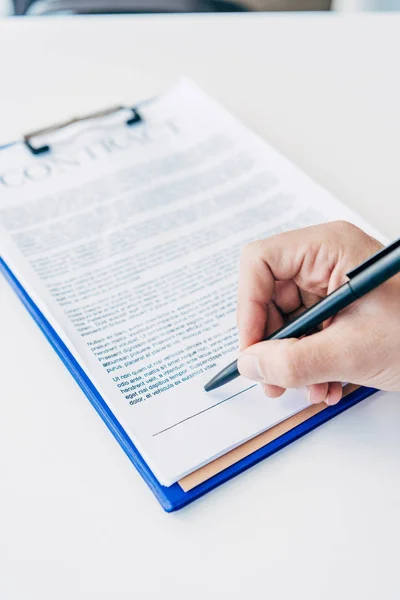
[[374, 258]]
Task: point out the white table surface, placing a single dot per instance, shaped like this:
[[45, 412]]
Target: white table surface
[[321, 519]]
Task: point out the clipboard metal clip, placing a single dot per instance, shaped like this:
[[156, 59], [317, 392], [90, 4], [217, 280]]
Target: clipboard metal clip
[[130, 115]]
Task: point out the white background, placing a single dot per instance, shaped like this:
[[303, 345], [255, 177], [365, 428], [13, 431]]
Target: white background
[[321, 518]]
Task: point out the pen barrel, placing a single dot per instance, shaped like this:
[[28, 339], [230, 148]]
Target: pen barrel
[[317, 314], [377, 272]]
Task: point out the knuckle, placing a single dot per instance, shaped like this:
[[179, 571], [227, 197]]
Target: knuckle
[[344, 229], [249, 251], [356, 244]]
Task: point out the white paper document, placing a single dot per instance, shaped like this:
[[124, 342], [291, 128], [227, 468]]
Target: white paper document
[[128, 238]]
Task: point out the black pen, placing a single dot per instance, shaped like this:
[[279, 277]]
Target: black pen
[[363, 279]]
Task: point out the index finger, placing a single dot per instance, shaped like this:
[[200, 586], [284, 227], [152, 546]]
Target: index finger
[[262, 264]]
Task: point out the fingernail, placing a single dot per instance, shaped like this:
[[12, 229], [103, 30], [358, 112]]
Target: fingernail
[[327, 399], [311, 396], [249, 366]]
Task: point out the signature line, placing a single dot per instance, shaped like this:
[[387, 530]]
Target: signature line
[[204, 410]]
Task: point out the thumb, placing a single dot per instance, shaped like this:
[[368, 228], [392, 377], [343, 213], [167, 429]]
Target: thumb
[[296, 363]]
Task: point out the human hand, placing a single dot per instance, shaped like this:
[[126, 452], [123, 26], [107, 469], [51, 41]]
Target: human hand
[[287, 273]]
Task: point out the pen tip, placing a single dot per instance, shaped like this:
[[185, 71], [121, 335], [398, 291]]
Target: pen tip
[[230, 372], [210, 385]]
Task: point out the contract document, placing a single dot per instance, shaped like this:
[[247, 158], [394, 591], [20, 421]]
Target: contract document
[[128, 238]]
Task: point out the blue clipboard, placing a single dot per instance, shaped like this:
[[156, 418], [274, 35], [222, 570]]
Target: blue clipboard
[[174, 497]]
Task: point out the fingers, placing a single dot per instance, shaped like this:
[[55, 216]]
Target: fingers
[[256, 286], [330, 393], [273, 391], [318, 393], [290, 364], [315, 359], [335, 392], [274, 320], [261, 323], [286, 296], [315, 259], [279, 258]]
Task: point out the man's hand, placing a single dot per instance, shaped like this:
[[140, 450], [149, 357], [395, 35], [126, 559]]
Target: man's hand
[[285, 274]]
